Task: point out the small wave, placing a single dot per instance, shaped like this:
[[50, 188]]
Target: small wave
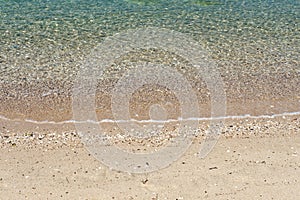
[[246, 116]]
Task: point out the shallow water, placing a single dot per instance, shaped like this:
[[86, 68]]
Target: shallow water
[[254, 30], [256, 45]]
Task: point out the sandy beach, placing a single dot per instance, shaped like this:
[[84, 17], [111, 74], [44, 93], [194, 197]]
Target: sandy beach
[[68, 68], [254, 159]]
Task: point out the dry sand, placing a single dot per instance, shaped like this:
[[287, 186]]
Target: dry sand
[[254, 159]]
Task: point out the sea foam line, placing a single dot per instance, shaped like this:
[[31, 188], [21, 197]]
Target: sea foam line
[[246, 116]]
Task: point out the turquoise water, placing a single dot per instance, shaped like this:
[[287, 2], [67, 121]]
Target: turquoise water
[[220, 25], [256, 43]]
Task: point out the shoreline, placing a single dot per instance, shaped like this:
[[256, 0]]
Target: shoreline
[[60, 134]]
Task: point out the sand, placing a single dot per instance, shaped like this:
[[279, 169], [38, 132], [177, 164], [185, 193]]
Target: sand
[[254, 159]]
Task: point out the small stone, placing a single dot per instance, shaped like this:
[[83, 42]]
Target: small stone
[[211, 168], [145, 181]]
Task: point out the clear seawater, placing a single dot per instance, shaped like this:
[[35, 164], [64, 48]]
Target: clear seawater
[[252, 40], [232, 27]]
